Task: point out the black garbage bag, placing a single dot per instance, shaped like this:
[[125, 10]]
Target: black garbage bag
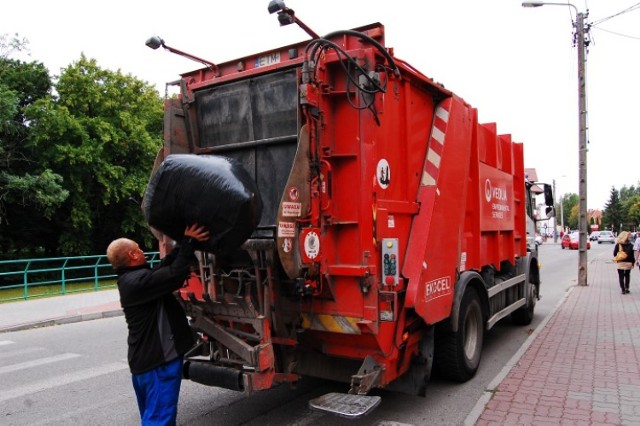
[[210, 190]]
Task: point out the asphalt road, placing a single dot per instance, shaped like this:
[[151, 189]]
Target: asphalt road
[[77, 374]]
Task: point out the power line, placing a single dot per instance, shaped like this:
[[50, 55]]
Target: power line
[[622, 12], [596, 24], [618, 34]]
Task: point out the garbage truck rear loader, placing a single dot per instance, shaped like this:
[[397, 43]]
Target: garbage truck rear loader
[[393, 231]]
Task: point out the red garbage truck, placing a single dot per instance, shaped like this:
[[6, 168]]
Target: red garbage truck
[[394, 225]]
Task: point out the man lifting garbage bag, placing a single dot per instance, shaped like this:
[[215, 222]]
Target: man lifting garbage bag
[[214, 191]]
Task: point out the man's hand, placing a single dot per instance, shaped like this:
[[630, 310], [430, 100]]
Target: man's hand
[[197, 232]]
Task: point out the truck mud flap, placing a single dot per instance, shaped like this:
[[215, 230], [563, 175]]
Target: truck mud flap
[[345, 405]]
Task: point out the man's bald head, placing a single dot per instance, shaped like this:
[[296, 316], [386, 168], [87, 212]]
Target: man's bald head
[[118, 252]]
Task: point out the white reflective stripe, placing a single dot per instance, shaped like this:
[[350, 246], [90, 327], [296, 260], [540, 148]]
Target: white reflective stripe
[[438, 135], [433, 158], [68, 378], [37, 362], [6, 342], [427, 179], [443, 114]]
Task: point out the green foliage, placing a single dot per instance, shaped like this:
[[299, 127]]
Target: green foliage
[[622, 211], [42, 190], [101, 135], [633, 215], [30, 192], [74, 165], [567, 209], [613, 215]]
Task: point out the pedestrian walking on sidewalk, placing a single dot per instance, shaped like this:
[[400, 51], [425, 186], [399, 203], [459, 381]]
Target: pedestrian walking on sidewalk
[[636, 249], [159, 333], [624, 263]]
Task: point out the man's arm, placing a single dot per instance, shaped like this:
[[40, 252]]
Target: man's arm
[[171, 275]]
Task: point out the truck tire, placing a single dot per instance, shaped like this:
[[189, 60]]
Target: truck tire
[[524, 315], [457, 354]]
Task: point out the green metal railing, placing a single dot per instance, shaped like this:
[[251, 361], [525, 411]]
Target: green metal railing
[[25, 278]]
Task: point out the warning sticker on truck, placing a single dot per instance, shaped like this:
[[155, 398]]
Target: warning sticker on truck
[[286, 229], [383, 173], [287, 244], [294, 194], [311, 245], [290, 209]]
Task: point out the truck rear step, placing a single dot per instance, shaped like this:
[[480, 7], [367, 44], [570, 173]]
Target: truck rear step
[[345, 405]]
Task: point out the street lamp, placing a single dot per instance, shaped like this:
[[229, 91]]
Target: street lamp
[[581, 44], [561, 210], [555, 220]]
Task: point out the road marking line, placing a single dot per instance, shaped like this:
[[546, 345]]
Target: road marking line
[[20, 352], [37, 362], [54, 382], [6, 342]]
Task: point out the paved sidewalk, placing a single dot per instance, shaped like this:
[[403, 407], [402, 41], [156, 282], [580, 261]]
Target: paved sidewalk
[[45, 311], [581, 368]]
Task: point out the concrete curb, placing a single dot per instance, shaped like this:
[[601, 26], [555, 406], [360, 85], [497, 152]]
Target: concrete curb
[[63, 320], [478, 409]]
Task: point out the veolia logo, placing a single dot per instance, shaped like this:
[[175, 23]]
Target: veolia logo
[[491, 192], [487, 190]]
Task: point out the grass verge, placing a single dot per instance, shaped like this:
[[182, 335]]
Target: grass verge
[[15, 294]]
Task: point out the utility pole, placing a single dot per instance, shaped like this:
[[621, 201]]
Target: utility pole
[[562, 214], [555, 220], [581, 44]]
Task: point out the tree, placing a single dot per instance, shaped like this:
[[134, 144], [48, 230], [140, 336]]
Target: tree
[[633, 214], [10, 44], [613, 215], [571, 207], [101, 135], [629, 196], [565, 208], [29, 191]]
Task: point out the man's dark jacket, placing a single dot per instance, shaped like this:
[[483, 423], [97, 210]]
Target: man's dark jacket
[[158, 328]]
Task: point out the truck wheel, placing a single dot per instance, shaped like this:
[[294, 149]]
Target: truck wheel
[[457, 354], [524, 315]]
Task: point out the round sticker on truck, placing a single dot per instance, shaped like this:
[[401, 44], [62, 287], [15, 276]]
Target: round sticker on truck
[[311, 245], [383, 173]]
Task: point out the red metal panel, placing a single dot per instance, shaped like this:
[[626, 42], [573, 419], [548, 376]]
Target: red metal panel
[[496, 199], [435, 240], [520, 216]]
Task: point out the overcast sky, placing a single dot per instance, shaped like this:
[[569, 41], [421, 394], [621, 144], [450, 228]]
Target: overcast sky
[[516, 65]]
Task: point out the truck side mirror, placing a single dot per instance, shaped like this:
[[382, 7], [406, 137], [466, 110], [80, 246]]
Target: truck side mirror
[[550, 211], [548, 195]]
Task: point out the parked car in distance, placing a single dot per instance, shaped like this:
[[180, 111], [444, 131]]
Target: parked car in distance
[[594, 236], [539, 239], [571, 240], [606, 237]]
